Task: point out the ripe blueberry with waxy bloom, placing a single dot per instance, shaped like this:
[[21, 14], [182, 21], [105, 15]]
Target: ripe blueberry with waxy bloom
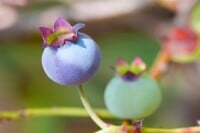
[[69, 57]]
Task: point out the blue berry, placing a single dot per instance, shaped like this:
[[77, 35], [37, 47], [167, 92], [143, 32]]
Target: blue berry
[[69, 57]]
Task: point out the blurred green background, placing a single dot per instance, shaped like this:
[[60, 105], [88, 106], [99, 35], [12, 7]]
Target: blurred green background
[[23, 83]]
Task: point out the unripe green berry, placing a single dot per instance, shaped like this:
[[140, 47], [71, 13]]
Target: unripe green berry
[[135, 99]]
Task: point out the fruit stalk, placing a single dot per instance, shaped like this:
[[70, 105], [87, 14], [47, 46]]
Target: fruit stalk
[[89, 109]]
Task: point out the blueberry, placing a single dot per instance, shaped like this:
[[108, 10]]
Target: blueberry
[[69, 57], [131, 94], [134, 100]]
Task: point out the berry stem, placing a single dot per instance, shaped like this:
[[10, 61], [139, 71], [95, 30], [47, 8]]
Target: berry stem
[[138, 126], [160, 65], [89, 109]]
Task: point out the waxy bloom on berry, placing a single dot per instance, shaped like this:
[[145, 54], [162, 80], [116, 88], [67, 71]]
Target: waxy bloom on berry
[[69, 57], [131, 94], [182, 44]]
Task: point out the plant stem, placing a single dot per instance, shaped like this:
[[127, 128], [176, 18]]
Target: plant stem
[[54, 111], [174, 130], [131, 129], [160, 65], [79, 112], [90, 111]]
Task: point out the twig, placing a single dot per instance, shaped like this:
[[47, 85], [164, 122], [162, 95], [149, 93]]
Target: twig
[[174, 130], [160, 65], [55, 111], [130, 129]]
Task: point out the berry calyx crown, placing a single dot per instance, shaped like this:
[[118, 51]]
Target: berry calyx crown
[[132, 71], [61, 32]]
